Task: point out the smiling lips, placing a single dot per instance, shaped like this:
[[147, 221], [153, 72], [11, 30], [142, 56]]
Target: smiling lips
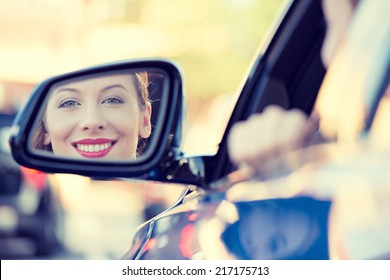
[[94, 148]]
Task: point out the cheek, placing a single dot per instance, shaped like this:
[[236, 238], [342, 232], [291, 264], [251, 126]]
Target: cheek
[[128, 129], [297, 229], [60, 126], [124, 122]]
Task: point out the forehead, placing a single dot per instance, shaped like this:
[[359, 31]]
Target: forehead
[[97, 83]]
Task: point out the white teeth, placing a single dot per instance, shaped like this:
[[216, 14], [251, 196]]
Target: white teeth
[[93, 148]]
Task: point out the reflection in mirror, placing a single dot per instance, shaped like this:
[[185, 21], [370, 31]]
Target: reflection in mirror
[[294, 228], [105, 116]]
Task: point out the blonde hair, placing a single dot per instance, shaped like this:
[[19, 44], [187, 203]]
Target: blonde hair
[[142, 81], [142, 88]]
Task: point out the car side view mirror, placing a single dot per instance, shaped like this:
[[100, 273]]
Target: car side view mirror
[[125, 115]]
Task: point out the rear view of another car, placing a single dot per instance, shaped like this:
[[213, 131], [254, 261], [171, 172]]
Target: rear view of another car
[[31, 217]]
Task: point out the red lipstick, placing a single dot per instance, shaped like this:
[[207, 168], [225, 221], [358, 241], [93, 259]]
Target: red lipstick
[[94, 148]]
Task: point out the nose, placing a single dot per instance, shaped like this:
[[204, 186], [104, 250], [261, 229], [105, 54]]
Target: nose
[[92, 119]]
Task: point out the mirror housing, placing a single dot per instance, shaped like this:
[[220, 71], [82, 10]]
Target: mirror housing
[[164, 147]]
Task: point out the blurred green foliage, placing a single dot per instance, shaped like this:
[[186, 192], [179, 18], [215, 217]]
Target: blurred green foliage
[[213, 40]]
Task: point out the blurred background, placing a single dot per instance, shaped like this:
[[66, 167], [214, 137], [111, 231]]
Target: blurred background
[[63, 216]]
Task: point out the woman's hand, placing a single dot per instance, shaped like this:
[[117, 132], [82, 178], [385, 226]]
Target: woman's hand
[[268, 135]]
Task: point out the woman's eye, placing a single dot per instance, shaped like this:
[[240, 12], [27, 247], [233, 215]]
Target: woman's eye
[[113, 100], [273, 245], [276, 243], [69, 104]]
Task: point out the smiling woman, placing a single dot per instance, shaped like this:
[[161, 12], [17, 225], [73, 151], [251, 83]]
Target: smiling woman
[[97, 117]]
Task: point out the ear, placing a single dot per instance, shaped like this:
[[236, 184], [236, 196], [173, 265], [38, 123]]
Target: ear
[[46, 139], [145, 126]]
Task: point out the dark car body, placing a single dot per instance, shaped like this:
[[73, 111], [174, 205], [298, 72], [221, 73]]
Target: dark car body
[[303, 209]]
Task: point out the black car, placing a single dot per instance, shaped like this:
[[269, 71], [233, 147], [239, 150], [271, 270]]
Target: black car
[[29, 206], [327, 201]]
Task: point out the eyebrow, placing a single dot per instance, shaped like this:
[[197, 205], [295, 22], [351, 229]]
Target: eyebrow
[[66, 89], [102, 90], [113, 86]]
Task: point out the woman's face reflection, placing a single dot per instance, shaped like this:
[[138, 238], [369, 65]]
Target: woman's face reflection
[[272, 232], [293, 228], [96, 118]]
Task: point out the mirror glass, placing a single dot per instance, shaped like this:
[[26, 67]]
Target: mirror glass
[[111, 115]]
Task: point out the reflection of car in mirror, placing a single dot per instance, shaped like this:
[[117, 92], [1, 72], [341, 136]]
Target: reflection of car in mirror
[[302, 210]]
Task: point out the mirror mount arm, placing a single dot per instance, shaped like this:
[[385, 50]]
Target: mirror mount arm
[[180, 169]]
